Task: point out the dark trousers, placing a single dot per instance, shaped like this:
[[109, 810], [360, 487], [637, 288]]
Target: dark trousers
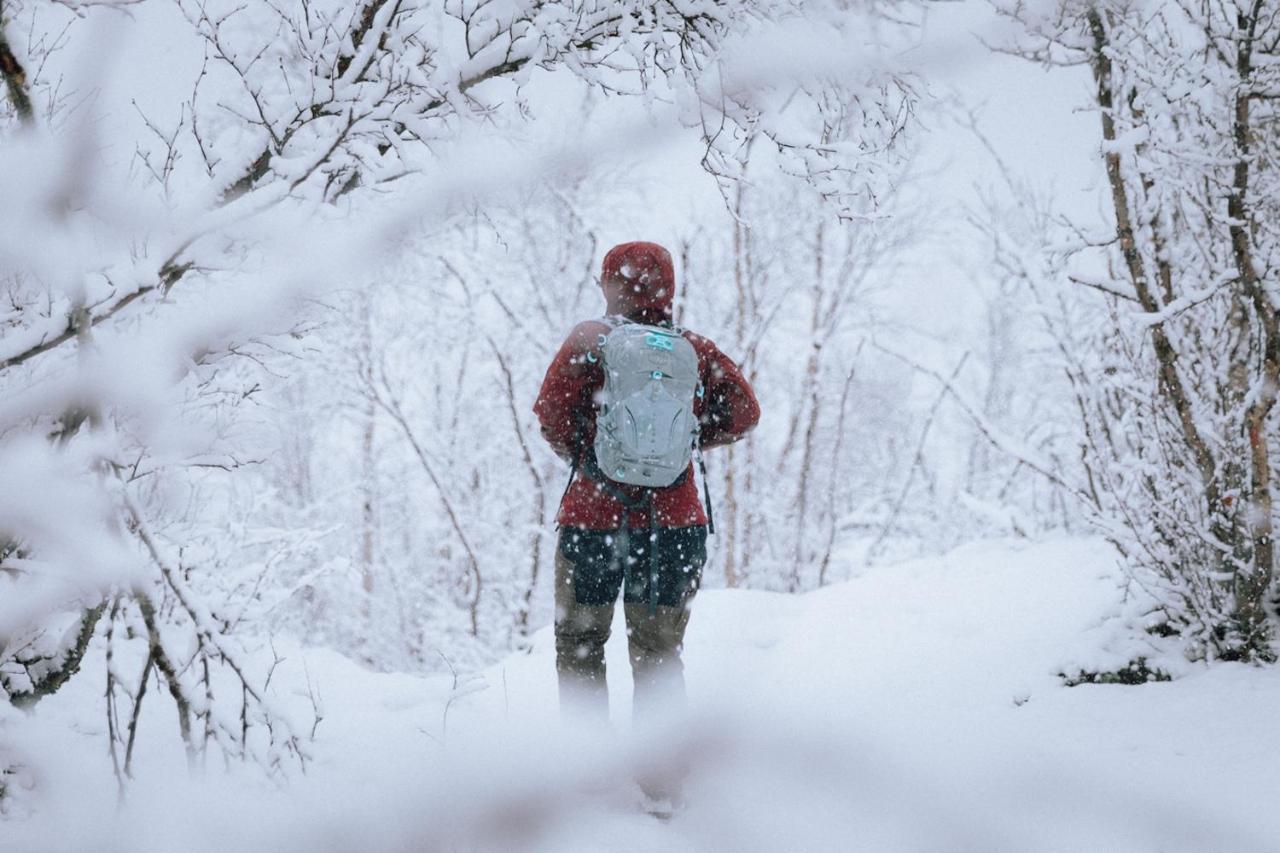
[[591, 568]]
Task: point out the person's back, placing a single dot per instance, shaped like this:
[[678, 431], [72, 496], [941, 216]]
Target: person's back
[[652, 541]]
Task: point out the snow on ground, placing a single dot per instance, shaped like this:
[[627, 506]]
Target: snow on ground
[[916, 707]]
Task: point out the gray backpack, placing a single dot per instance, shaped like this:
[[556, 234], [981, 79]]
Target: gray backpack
[[645, 426]]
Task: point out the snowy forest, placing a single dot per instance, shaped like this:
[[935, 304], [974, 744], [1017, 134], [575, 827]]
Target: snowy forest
[[282, 280]]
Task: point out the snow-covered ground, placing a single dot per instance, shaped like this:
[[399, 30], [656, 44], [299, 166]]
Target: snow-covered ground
[[916, 707]]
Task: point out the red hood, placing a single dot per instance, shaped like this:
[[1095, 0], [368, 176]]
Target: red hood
[[639, 282]]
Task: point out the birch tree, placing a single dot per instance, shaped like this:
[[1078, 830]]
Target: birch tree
[[1176, 388]]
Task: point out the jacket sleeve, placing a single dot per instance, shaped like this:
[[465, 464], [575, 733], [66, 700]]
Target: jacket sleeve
[[565, 407], [730, 410]]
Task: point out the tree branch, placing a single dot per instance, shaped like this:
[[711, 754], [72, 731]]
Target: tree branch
[[15, 78], [170, 272], [993, 435], [72, 657]]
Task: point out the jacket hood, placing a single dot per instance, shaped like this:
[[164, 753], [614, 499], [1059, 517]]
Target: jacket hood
[[639, 282]]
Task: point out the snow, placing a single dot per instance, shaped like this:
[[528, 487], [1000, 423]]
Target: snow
[[916, 706]]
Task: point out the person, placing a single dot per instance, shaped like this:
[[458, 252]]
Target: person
[[605, 527]]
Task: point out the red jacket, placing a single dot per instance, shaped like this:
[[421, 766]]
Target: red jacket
[[638, 283]]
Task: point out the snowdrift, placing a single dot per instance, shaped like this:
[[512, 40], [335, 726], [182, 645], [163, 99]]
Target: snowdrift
[[916, 707]]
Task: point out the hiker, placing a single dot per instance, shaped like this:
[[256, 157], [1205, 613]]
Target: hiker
[[638, 523]]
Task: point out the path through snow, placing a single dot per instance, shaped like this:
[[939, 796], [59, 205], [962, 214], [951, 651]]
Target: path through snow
[[914, 708]]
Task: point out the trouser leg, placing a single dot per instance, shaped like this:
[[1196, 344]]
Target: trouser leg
[[668, 571], [581, 633], [655, 641]]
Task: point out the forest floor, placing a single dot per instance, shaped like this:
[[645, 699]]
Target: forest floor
[[915, 707]]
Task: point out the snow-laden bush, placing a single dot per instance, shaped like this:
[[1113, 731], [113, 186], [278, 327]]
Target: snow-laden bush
[[1174, 360]]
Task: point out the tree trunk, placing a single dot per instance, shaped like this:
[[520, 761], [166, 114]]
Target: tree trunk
[[368, 466], [1254, 575], [812, 401]]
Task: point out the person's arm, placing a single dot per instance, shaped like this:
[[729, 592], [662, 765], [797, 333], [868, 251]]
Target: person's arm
[[730, 409], [564, 407]]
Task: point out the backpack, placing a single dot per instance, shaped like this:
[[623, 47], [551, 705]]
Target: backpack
[[645, 426]]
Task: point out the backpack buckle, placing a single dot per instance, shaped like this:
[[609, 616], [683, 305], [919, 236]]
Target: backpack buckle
[[658, 341]]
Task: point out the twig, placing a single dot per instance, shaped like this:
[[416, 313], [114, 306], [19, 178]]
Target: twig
[[989, 432], [391, 406], [916, 460]]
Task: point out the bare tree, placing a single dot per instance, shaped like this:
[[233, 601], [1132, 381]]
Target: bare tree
[[1176, 390]]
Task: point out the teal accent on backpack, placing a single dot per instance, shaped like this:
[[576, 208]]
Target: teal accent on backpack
[[659, 341]]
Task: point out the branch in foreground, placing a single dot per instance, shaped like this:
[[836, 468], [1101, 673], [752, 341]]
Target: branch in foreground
[[70, 665], [169, 275], [211, 643], [15, 78]]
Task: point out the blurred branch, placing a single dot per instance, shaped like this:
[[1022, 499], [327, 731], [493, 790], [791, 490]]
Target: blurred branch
[[15, 78]]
